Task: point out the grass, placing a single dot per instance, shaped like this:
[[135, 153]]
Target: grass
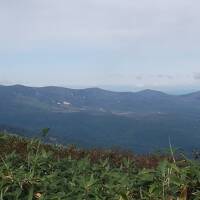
[[31, 170]]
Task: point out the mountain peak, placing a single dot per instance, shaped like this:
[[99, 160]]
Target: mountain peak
[[151, 92]]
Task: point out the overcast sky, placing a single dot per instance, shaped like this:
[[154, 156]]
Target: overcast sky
[[117, 43]]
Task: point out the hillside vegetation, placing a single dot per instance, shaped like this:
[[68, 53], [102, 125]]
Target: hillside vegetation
[[138, 121], [31, 170]]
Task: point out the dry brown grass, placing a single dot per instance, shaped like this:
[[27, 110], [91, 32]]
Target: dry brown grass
[[114, 156]]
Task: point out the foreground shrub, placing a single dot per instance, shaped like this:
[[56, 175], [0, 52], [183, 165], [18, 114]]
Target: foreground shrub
[[39, 173]]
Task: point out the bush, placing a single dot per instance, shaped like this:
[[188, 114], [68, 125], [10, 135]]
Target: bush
[[55, 173]]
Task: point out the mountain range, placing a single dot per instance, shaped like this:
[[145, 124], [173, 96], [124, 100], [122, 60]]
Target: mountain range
[[140, 121]]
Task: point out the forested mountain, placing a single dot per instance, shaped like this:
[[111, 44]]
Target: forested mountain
[[94, 117]]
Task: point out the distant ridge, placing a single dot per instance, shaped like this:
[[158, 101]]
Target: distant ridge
[[141, 121], [193, 95], [87, 88]]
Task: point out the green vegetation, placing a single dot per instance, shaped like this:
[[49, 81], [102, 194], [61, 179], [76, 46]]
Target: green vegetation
[[141, 121], [32, 170]]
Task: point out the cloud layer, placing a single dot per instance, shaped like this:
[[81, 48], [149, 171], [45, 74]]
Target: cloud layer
[[36, 21], [91, 39]]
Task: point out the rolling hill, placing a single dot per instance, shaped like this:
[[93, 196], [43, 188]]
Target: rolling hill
[[93, 117]]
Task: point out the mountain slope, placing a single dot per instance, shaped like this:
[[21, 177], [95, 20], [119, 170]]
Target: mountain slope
[[89, 99], [140, 121]]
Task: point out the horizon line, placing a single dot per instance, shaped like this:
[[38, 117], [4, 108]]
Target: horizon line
[[97, 87]]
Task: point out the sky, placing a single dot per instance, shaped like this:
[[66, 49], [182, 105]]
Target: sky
[[116, 44]]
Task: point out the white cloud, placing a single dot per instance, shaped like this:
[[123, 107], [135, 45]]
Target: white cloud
[[135, 38], [196, 76], [33, 22]]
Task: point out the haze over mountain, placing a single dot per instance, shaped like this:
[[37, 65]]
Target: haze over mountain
[[93, 117]]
